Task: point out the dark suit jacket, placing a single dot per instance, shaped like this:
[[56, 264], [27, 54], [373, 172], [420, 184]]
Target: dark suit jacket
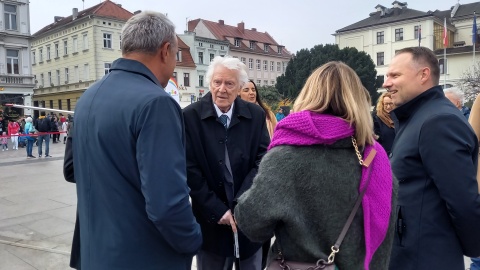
[[130, 169], [247, 143]]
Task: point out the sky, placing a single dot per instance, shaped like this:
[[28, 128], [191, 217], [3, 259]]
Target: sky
[[295, 24]]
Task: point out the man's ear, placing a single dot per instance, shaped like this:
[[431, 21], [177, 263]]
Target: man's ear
[[426, 75], [165, 51]]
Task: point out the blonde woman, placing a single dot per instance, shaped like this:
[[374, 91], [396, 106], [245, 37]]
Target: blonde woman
[[310, 178], [250, 93], [383, 123]]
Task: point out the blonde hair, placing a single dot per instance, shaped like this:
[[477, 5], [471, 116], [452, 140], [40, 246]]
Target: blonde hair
[[381, 113], [335, 89]]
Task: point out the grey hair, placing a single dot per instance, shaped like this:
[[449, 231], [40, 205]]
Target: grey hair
[[146, 32], [230, 63], [457, 93]]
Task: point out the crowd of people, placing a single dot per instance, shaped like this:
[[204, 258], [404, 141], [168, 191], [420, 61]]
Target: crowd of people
[[334, 185], [26, 132]]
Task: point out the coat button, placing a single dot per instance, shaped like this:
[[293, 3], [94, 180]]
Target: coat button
[[220, 162], [220, 141]]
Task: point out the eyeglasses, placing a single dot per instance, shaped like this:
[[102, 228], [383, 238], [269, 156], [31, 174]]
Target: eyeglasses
[[388, 104]]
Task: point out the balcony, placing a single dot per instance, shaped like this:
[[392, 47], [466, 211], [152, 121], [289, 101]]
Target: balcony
[[16, 80]]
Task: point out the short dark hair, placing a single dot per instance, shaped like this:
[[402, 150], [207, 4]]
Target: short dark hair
[[424, 56], [42, 113]]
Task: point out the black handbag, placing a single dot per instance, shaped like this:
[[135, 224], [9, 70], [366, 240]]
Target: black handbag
[[281, 264]]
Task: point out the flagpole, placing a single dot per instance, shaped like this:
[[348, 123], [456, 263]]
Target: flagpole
[[474, 37]]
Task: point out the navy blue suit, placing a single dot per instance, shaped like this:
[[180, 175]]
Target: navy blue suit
[[130, 169]]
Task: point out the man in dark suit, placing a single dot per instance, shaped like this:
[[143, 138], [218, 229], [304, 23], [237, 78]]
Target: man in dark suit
[[129, 159], [226, 139]]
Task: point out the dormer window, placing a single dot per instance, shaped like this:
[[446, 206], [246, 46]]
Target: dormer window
[[179, 56], [279, 50], [265, 47], [252, 45], [237, 42]]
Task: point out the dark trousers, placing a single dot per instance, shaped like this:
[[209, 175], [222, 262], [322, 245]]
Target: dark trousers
[[209, 261]]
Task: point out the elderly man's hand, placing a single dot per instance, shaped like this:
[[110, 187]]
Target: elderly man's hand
[[228, 219]]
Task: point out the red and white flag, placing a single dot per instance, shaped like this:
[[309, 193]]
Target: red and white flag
[[445, 35]]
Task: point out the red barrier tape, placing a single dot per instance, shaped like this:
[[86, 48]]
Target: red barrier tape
[[33, 135]]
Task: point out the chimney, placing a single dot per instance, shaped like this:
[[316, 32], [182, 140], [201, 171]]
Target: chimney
[[221, 22], [136, 12], [254, 29], [241, 27], [74, 13], [120, 5]]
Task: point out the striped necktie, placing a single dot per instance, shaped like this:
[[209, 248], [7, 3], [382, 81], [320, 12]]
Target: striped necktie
[[223, 118]]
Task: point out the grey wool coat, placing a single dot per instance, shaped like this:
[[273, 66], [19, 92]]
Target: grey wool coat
[[304, 196]]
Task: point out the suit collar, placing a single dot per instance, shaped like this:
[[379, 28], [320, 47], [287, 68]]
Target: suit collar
[[134, 67], [409, 108], [240, 109]]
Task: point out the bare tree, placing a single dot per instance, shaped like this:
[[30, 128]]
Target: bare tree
[[470, 82]]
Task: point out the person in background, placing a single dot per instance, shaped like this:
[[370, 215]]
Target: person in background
[[383, 125], [279, 115], [4, 141], [65, 131], [434, 157], [456, 96], [13, 129], [226, 139], [29, 130], [309, 180], [44, 126], [55, 129], [250, 93], [133, 204]]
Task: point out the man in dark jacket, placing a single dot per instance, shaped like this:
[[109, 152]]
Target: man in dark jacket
[[44, 125], [226, 139], [130, 170], [434, 158]]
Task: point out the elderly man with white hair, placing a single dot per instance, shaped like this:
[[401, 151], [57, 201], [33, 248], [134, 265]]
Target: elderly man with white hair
[[456, 96], [226, 139]]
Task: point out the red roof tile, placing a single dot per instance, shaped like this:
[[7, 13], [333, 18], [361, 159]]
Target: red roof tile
[[107, 9]]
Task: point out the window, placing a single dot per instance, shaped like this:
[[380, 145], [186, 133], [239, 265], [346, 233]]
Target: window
[[34, 60], [50, 78], [179, 56], [211, 57], [272, 82], [67, 80], [237, 42], [12, 62], [415, 31], [85, 41], [259, 82], [58, 76], [222, 47], [76, 74], [200, 57], [265, 65], [75, 44], [252, 45], [65, 47], [120, 42], [51, 104], [86, 72], [265, 47], [258, 64], [57, 52], [200, 44], [380, 80], [107, 40], [272, 65], [265, 82], [106, 68], [380, 37], [40, 54], [399, 34], [250, 63], [380, 59], [186, 79], [200, 80], [10, 17], [279, 50], [175, 75], [42, 80], [442, 63], [279, 66], [48, 53], [59, 104], [211, 46], [68, 105]]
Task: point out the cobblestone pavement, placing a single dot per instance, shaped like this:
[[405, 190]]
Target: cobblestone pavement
[[37, 211]]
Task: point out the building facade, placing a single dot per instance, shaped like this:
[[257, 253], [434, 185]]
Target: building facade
[[389, 29], [263, 56], [16, 78], [73, 52], [202, 50]]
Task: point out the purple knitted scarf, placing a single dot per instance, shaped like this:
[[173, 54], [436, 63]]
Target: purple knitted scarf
[[309, 128]]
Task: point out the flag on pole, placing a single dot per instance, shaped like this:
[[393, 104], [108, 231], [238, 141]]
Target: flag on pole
[[445, 35], [474, 29], [419, 35]]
